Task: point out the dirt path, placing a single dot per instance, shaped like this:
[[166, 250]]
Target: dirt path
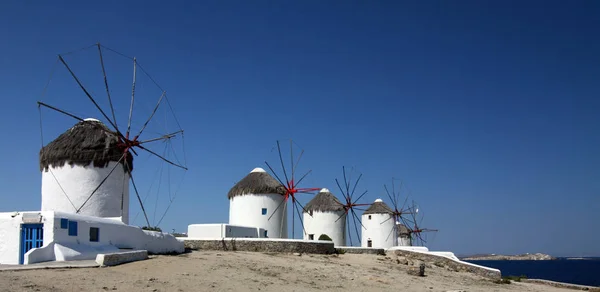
[[242, 271]]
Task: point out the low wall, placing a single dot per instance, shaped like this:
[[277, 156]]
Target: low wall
[[360, 250], [559, 284], [260, 245], [453, 265], [113, 259]]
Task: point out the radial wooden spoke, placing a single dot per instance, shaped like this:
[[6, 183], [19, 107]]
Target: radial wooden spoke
[[276, 176], [354, 189], [88, 95], [101, 183], [283, 166], [275, 211], [151, 115], [338, 184], [132, 99], [137, 194], [112, 109], [165, 137], [300, 218], [159, 156], [355, 218], [302, 178], [298, 161], [60, 111]]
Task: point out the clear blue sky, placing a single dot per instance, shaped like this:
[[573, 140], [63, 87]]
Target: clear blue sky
[[490, 112]]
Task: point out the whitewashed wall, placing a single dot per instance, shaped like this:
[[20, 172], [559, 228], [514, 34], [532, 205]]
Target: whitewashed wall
[[211, 231], [78, 182], [381, 232], [10, 233], [112, 235], [404, 240], [246, 210], [325, 223]]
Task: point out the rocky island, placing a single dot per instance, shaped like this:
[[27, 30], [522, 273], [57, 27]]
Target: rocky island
[[521, 257]]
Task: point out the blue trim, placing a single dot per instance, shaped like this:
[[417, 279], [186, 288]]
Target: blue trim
[[64, 223], [72, 228], [32, 236]]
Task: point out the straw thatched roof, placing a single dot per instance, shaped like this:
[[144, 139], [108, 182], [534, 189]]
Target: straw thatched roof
[[402, 229], [257, 181], [378, 207], [89, 141], [324, 201]]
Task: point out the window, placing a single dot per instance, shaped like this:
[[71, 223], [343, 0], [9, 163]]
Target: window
[[311, 237], [64, 223], [94, 234], [264, 211], [369, 217], [72, 228], [266, 234]]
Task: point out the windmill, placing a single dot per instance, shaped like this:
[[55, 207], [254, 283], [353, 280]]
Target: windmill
[[113, 144], [415, 230], [291, 185], [350, 204], [398, 214]]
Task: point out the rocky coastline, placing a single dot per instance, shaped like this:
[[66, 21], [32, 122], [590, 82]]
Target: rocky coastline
[[521, 257]]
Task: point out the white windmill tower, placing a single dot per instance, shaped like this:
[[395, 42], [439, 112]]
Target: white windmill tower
[[377, 222], [404, 235], [322, 217], [87, 169], [254, 201], [86, 163]]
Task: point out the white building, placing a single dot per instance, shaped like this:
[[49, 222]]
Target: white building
[[404, 236], [325, 214], [378, 226], [73, 166], [32, 237], [258, 200], [76, 163]]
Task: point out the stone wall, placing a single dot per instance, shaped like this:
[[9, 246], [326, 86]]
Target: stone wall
[[449, 264], [360, 250], [261, 245]]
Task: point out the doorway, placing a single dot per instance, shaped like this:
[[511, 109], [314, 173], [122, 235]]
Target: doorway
[[32, 236], [369, 243]]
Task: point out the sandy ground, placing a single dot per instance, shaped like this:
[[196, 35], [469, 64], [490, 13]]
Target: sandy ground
[[244, 271]]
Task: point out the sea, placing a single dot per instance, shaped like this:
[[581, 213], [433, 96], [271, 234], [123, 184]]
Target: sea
[[582, 271]]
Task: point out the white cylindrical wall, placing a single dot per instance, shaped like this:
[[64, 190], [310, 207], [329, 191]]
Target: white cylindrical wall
[[379, 228], [404, 240], [78, 183], [325, 223], [247, 210]]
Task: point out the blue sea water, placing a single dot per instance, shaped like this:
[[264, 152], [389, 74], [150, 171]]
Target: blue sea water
[[576, 271]]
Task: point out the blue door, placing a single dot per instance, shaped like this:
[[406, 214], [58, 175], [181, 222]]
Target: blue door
[[32, 236]]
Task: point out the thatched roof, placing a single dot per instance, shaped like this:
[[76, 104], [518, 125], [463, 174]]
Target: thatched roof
[[378, 207], [89, 141], [402, 229], [324, 201], [258, 181]]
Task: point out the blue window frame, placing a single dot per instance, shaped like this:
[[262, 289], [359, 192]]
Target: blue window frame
[[264, 211], [72, 228], [94, 234], [64, 223]]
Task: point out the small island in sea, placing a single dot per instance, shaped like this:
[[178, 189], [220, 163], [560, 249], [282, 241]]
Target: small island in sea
[[497, 257]]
